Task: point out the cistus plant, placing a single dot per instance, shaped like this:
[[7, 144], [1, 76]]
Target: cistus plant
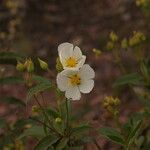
[[57, 127], [134, 133]]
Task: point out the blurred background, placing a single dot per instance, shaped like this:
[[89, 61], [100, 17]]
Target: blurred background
[[35, 28]]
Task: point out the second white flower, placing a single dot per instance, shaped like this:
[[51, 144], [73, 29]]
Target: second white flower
[[75, 82]]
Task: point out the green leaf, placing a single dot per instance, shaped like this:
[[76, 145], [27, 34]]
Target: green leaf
[[34, 131], [62, 144], [134, 131], [41, 79], [11, 80], [46, 142], [52, 113], [13, 100], [80, 129], [20, 123], [10, 57], [144, 100], [87, 139], [112, 135], [132, 78], [144, 70], [38, 88]]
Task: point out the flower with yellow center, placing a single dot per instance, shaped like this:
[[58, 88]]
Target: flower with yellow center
[[70, 57], [75, 82]]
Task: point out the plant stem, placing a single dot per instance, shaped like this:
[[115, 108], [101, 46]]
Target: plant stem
[[45, 104], [42, 123], [67, 115], [45, 114], [97, 145], [52, 75]]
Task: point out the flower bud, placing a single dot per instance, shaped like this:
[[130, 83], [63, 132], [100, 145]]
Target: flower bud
[[97, 52], [58, 120], [19, 145], [137, 38], [113, 36], [43, 64], [110, 45], [59, 66], [29, 65], [116, 113], [35, 109], [124, 43], [27, 126], [20, 66]]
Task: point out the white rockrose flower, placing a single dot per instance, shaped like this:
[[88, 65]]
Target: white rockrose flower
[[70, 57], [75, 82]]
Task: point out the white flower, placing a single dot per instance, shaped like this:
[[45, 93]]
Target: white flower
[[70, 57], [75, 82]]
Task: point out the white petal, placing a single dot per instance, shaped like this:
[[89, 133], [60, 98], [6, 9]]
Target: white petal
[[77, 53], [65, 50], [73, 93], [68, 72], [86, 86], [62, 82], [81, 62], [79, 65], [86, 72]]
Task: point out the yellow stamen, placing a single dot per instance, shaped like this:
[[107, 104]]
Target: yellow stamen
[[71, 62], [75, 80]]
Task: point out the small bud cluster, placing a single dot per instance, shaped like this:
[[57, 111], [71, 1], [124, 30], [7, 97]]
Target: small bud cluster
[[124, 43], [113, 39], [28, 68], [97, 52], [14, 10], [142, 3], [136, 39], [111, 104], [27, 65], [18, 145]]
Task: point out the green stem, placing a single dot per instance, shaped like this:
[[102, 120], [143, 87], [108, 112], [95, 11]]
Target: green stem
[[117, 57], [42, 123], [67, 115], [45, 104], [97, 145], [46, 116]]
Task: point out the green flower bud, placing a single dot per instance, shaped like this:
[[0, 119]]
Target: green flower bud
[[29, 65], [142, 2], [35, 109], [110, 45], [124, 43], [116, 101], [137, 38], [59, 66], [43, 64], [113, 36], [97, 52], [19, 145], [58, 120], [116, 113], [27, 126], [20, 66]]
